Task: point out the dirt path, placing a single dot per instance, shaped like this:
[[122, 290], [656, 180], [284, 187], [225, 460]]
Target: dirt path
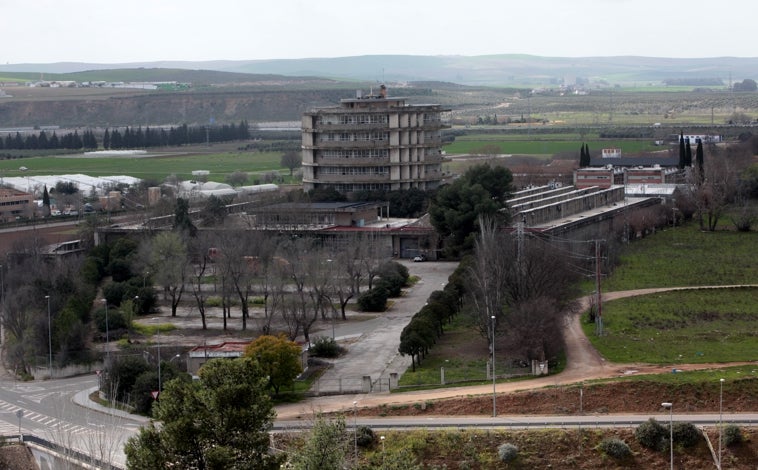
[[584, 362]]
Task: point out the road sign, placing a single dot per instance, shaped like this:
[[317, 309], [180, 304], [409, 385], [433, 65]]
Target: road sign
[[155, 394]]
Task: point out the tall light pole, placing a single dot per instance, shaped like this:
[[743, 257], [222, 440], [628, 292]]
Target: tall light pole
[[355, 431], [494, 389], [670, 407], [49, 340], [107, 336], [2, 305], [382, 439], [721, 422], [160, 384]]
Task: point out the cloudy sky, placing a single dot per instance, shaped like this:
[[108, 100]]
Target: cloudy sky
[[107, 31]]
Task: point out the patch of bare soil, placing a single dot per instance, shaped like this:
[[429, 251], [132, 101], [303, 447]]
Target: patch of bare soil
[[17, 457]]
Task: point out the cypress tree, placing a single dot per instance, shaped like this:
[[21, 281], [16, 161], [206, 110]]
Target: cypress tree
[[688, 153], [581, 156], [46, 201], [681, 150], [699, 158]]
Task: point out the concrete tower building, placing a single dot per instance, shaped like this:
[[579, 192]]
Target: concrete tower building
[[373, 143]]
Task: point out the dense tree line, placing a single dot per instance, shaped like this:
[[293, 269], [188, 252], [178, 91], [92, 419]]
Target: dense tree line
[[127, 138], [130, 137], [747, 84], [694, 81], [427, 325], [41, 141]]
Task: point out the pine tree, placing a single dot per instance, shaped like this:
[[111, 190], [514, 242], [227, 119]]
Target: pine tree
[[681, 151], [107, 139]]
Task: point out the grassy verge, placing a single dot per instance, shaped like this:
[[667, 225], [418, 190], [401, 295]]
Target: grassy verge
[[150, 330], [698, 377]]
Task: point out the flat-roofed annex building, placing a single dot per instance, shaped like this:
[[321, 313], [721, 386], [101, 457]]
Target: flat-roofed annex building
[[373, 143]]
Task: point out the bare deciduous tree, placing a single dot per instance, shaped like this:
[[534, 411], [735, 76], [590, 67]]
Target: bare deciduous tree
[[713, 189], [169, 265], [201, 250], [523, 281]]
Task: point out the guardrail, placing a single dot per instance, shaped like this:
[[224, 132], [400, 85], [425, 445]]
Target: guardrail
[[85, 460]]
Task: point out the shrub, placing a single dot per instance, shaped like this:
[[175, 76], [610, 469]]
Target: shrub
[[374, 300], [324, 346], [507, 452], [732, 434], [256, 301], [116, 321], [615, 448], [686, 434], [365, 436], [114, 293], [120, 270], [651, 434], [393, 276]]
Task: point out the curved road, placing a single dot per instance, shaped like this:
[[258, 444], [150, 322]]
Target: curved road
[[583, 362]]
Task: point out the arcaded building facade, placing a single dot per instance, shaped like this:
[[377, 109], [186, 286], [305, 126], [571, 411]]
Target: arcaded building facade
[[373, 143]]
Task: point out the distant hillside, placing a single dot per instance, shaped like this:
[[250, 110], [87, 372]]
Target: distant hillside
[[194, 107], [141, 74], [498, 70]]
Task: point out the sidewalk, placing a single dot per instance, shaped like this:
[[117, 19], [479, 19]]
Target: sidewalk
[[83, 399]]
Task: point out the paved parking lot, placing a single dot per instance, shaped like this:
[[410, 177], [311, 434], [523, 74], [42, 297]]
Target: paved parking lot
[[373, 351]]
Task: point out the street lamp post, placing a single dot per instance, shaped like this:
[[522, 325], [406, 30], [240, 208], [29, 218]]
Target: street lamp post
[[721, 416], [355, 431], [2, 306], [160, 389], [107, 335], [670, 407], [49, 340], [382, 439], [494, 388], [19, 415]]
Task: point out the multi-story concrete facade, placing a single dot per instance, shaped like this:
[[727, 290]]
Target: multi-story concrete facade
[[14, 204], [373, 143]]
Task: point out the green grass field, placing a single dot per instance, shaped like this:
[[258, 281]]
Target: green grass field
[[693, 326], [711, 325], [543, 146], [686, 256], [218, 164]]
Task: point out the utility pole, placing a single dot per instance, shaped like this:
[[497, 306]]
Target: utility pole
[[599, 316]]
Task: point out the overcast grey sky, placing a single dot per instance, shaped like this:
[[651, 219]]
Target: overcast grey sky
[[107, 31]]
